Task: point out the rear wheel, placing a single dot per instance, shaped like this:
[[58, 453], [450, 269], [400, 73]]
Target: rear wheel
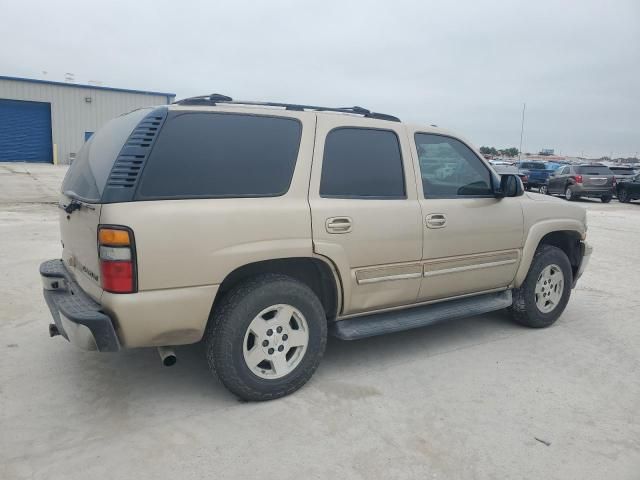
[[623, 196], [266, 337], [605, 198], [544, 190], [544, 294], [569, 194]]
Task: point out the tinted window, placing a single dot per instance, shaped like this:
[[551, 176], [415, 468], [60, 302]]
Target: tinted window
[[593, 170], [533, 165], [221, 155], [450, 169], [89, 172], [622, 170], [362, 163]]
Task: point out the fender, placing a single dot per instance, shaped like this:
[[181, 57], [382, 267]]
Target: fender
[[536, 233]]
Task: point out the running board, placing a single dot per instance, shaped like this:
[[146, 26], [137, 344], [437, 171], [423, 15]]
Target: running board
[[406, 319]]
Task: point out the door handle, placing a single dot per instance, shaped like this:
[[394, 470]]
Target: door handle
[[338, 225], [436, 220]]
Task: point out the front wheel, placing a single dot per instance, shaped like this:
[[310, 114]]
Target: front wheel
[[605, 198], [266, 337], [544, 294]]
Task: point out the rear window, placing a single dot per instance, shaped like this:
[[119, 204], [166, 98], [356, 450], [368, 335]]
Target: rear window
[[533, 165], [594, 170], [89, 172], [207, 155], [622, 171]]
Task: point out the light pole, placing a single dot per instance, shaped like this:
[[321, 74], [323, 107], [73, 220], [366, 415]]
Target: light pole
[[524, 106]]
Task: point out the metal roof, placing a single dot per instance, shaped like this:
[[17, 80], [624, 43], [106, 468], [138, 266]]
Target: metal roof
[[79, 85]]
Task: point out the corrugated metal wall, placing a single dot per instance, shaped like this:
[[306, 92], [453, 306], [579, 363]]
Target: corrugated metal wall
[[71, 114]]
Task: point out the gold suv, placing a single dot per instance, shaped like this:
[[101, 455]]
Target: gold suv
[[259, 228]]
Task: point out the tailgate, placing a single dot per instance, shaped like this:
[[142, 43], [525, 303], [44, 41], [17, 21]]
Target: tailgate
[[79, 235], [597, 181]]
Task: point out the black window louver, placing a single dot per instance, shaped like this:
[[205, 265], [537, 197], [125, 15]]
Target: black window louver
[[130, 162]]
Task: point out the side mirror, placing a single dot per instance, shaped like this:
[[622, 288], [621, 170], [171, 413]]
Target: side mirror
[[510, 186]]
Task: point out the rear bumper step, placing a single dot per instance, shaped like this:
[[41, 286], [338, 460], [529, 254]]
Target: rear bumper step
[[77, 317], [399, 320]]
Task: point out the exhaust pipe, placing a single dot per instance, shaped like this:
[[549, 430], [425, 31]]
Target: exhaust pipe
[[167, 355]]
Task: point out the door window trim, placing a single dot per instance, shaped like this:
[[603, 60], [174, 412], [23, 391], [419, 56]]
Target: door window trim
[[360, 197], [492, 174]]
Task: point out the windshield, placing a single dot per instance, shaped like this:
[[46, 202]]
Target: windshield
[[593, 170], [504, 169], [88, 174]]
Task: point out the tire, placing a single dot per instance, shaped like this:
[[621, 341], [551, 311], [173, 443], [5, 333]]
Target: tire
[[544, 190], [623, 196], [229, 333], [525, 309], [570, 195], [606, 198]]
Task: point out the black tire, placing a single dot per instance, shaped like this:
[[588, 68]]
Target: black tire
[[606, 198], [544, 190], [570, 194], [524, 309], [228, 324], [623, 196]]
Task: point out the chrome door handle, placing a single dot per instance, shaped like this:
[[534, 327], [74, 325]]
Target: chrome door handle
[[436, 220], [338, 225]]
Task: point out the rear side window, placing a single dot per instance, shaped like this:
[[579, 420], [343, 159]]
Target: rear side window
[[89, 172], [595, 170], [362, 163], [208, 155]]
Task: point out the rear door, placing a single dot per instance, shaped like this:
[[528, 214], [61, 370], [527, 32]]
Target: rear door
[[365, 213], [557, 180], [472, 240]]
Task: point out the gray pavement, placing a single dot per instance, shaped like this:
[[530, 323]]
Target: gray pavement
[[475, 398]]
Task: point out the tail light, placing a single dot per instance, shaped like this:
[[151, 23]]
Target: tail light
[[117, 259], [614, 181], [525, 179], [578, 178]]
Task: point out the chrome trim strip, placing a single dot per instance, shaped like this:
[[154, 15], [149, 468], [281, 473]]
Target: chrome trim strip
[[466, 268], [402, 276]]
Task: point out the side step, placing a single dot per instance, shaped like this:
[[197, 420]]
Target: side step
[[398, 320]]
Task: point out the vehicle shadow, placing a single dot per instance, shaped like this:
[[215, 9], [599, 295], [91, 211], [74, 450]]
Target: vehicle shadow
[[138, 373]]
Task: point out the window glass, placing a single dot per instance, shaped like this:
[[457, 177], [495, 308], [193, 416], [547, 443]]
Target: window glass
[[565, 171], [450, 169], [533, 165], [594, 170], [362, 163], [221, 155], [88, 174]]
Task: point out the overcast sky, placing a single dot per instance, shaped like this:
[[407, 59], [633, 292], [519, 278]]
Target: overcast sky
[[464, 65]]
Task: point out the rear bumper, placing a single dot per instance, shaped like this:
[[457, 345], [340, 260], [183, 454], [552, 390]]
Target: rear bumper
[[78, 317], [586, 255], [593, 191]]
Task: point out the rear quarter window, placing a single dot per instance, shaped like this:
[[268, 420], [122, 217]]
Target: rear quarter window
[[209, 155], [88, 174]]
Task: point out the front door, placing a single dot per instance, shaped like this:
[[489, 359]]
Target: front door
[[365, 214], [472, 240]]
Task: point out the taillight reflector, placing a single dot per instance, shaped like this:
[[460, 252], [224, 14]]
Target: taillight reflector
[[578, 178], [117, 277]]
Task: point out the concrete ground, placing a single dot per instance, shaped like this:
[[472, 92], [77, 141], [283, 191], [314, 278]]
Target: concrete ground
[[476, 398]]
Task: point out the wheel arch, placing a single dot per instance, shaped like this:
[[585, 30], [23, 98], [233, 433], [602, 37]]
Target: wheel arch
[[314, 272], [565, 235]]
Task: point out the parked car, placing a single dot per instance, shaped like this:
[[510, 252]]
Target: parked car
[[628, 189], [259, 228], [502, 169], [536, 173], [575, 181], [623, 172]]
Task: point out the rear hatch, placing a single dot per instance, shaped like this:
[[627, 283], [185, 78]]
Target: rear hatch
[[597, 176], [81, 199]]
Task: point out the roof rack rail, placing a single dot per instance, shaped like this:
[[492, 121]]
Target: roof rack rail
[[216, 98]]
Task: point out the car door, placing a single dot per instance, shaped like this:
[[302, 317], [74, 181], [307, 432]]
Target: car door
[[365, 214], [472, 240], [558, 180]]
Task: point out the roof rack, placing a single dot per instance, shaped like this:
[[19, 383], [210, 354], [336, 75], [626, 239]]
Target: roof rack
[[215, 99]]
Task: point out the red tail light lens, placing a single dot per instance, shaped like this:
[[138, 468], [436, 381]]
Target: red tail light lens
[[117, 259], [578, 178]]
